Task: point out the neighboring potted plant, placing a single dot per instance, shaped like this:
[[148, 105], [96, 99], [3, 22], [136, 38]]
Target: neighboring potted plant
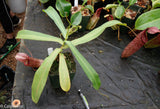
[[81, 12], [145, 4], [41, 74], [118, 10], [86, 12], [148, 22], [125, 12], [87, 17]]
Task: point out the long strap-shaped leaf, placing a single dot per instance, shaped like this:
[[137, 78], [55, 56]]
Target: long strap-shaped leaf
[[41, 75], [64, 74], [95, 33], [148, 19], [32, 35], [52, 13], [88, 69]]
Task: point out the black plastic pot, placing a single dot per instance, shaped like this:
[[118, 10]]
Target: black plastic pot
[[84, 22], [128, 21], [54, 74], [54, 79], [136, 8], [7, 76]]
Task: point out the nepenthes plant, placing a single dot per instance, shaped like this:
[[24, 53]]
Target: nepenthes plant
[[42, 73]]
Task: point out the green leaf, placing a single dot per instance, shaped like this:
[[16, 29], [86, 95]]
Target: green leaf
[[90, 8], [43, 1], [109, 6], [84, 2], [63, 7], [32, 35], [119, 11], [64, 74], [41, 75], [76, 18], [52, 13], [132, 2], [96, 32], [148, 19], [156, 4], [87, 68]]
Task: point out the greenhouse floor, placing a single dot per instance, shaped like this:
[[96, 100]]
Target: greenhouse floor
[[132, 83]]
